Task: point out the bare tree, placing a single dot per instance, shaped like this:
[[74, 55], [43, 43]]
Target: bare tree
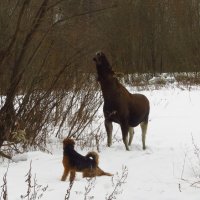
[[41, 65]]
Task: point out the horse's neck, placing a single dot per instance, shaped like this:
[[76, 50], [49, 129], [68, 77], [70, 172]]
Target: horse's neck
[[109, 87]]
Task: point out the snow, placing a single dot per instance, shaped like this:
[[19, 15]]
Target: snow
[[20, 157], [166, 170], [162, 78]]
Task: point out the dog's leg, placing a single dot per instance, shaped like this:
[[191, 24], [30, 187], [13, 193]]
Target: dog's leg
[[144, 131], [100, 172], [65, 174], [89, 173], [131, 134], [106, 174], [84, 174], [109, 128], [124, 129], [72, 175], [95, 172]]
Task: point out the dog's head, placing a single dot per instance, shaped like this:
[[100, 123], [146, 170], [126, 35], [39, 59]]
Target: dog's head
[[68, 142]]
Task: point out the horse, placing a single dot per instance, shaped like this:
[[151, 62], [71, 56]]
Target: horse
[[120, 106]]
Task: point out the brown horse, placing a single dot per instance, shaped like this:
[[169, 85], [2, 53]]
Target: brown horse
[[120, 106]]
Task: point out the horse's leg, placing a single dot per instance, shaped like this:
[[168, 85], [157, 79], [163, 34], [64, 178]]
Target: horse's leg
[[144, 131], [109, 128], [131, 133], [124, 129]]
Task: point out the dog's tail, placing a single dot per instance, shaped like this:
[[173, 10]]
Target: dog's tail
[[94, 156]]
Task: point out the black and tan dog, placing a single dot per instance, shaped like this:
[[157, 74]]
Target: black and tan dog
[[74, 162]]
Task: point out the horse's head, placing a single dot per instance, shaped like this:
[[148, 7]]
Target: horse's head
[[103, 66]]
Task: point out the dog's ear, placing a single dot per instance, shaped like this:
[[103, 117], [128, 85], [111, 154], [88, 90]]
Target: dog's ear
[[72, 142]]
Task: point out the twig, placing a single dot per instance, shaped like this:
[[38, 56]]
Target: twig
[[195, 183], [183, 166], [4, 192], [5, 155], [34, 191], [119, 182], [89, 187], [179, 187], [67, 195]]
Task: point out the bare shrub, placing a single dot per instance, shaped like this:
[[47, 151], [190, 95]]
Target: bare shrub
[[117, 184], [65, 113], [90, 185], [45, 85], [193, 160], [196, 164], [82, 105], [4, 189], [92, 137], [188, 78], [34, 190]]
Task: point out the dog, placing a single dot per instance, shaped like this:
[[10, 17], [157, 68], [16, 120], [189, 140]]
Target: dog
[[74, 162]]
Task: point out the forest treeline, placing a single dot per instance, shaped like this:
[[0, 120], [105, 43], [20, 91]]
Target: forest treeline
[[46, 51], [138, 36]]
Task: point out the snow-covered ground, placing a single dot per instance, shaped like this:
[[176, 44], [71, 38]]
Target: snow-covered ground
[[167, 170]]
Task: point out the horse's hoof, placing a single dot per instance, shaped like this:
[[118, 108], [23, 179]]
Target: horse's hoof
[[127, 149]]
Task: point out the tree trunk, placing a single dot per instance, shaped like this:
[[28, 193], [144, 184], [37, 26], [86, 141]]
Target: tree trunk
[[7, 121]]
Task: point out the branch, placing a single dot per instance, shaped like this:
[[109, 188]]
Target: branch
[[84, 13], [5, 155], [12, 42], [55, 4]]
